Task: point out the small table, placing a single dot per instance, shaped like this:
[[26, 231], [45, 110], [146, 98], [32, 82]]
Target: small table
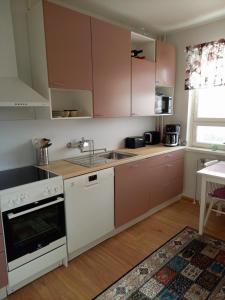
[[214, 173]]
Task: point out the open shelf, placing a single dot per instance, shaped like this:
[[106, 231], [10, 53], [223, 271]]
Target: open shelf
[[70, 118], [169, 92], [68, 100], [145, 43]]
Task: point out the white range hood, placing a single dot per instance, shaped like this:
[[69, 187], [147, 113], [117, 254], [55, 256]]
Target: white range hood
[[13, 91]]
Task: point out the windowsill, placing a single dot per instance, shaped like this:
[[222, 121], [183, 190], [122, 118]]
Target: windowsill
[[205, 150]]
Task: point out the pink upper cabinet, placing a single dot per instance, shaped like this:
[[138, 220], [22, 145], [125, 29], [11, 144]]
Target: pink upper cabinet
[[111, 47], [165, 64], [68, 46], [143, 87]]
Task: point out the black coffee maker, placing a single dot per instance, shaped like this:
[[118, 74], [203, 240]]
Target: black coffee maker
[[172, 135]]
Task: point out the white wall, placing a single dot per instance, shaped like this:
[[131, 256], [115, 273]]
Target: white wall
[[7, 51], [16, 147], [15, 136], [181, 39]]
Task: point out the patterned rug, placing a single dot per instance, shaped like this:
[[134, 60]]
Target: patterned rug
[[187, 267]]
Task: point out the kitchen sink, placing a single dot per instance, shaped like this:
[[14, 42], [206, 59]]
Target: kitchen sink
[[87, 160], [116, 155], [98, 159]]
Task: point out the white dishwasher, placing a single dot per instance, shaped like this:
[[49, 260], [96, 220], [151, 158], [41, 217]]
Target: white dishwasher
[[89, 201]]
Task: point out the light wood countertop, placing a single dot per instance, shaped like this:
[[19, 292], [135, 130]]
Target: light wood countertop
[[69, 170]]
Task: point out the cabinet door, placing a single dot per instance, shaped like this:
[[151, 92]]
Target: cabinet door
[[3, 271], [68, 46], [111, 48], [166, 181], [1, 243], [131, 192], [165, 64], [143, 87]]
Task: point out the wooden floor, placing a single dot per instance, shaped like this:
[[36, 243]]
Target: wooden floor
[[93, 271]]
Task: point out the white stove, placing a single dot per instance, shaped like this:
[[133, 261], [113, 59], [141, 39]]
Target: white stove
[[33, 214]]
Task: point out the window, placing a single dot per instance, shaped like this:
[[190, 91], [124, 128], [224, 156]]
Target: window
[[208, 117]]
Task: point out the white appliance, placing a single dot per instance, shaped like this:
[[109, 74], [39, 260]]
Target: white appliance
[[33, 216], [89, 201], [13, 91]]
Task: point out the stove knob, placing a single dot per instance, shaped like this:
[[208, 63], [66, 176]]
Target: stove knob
[[47, 191], [56, 189], [11, 203], [17, 201], [22, 198]]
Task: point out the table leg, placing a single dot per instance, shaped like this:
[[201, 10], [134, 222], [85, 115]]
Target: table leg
[[202, 205]]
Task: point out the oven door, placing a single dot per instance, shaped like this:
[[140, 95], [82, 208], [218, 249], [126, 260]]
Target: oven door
[[32, 227]]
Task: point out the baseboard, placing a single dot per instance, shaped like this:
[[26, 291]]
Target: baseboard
[[124, 227], [3, 293], [188, 198]]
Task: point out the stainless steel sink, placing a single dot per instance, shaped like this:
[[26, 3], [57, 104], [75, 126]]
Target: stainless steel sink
[[87, 160], [98, 159], [116, 155]]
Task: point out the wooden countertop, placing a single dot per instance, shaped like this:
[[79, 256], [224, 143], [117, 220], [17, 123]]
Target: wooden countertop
[[68, 170]]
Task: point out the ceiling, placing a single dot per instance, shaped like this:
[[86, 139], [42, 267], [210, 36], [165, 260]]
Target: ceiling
[[155, 15]]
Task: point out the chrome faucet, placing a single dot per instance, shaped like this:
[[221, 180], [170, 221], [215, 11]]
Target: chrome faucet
[[87, 143], [83, 143]]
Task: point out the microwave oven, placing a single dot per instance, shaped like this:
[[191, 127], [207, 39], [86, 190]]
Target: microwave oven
[[163, 104]]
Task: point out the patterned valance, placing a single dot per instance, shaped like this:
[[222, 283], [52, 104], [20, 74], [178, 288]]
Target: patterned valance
[[205, 65]]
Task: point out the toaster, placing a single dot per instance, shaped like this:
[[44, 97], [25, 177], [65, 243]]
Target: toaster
[[152, 137], [134, 142]]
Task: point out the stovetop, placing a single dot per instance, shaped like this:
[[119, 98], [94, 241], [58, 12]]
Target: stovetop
[[20, 176]]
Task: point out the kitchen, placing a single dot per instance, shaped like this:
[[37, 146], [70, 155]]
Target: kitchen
[[108, 193]]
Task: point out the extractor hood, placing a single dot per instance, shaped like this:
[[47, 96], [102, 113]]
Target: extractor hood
[[13, 91]]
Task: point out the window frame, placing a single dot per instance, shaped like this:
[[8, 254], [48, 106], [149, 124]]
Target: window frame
[[195, 121]]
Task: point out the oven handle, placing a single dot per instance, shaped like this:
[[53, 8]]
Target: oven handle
[[13, 216]]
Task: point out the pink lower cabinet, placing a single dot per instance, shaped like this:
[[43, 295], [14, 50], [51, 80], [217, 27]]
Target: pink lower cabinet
[[131, 191], [166, 180], [111, 46], [3, 271], [142, 185], [166, 176], [143, 87]]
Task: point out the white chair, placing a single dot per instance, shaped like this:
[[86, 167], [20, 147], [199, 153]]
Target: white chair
[[216, 196]]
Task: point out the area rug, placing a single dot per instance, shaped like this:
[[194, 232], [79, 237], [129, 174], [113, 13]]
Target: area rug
[[187, 267]]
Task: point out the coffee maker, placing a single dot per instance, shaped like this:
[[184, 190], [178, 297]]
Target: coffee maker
[[172, 135]]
